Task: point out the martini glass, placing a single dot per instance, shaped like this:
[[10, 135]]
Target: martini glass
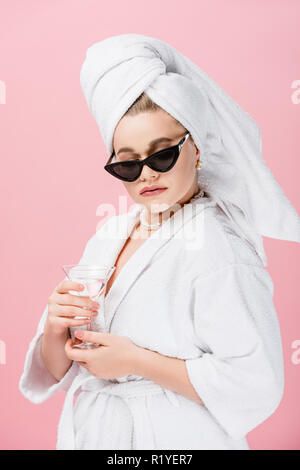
[[94, 278]]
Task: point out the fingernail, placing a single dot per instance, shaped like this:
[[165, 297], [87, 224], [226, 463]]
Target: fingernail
[[79, 334]]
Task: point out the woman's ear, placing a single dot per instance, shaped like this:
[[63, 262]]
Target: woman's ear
[[197, 150]]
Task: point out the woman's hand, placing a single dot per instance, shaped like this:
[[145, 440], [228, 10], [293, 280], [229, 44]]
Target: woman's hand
[[115, 357], [63, 307]]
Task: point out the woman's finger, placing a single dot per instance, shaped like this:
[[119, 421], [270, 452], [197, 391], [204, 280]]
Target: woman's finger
[[66, 285], [71, 311], [67, 322]]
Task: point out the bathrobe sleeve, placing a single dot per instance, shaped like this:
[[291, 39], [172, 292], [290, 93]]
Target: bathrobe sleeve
[[37, 384], [239, 374]]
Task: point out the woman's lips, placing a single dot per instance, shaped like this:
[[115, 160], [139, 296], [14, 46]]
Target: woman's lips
[[154, 192]]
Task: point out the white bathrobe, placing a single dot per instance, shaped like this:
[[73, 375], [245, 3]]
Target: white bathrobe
[[196, 291]]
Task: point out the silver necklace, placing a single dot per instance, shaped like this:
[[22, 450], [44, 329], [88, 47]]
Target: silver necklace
[[143, 222]]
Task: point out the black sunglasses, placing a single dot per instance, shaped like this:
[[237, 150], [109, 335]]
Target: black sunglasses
[[161, 161]]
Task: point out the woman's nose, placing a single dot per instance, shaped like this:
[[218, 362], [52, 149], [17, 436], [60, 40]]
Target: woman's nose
[[147, 172]]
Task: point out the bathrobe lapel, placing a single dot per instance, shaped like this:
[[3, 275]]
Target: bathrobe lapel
[[119, 229]]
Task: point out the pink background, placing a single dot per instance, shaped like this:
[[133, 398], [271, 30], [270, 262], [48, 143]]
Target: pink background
[[52, 157]]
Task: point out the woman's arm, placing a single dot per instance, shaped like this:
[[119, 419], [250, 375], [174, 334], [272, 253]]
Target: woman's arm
[[169, 372], [53, 352], [118, 355]]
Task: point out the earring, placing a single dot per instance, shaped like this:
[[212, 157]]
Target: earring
[[198, 164]]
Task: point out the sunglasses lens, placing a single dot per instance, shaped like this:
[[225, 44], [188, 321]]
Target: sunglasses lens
[[164, 160], [127, 170]]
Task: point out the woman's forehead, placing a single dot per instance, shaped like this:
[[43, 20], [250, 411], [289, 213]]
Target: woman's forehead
[[146, 130]]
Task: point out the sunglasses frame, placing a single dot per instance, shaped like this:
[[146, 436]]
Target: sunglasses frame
[[147, 161]]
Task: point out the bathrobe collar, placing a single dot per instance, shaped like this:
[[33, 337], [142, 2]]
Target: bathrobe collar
[[116, 232]]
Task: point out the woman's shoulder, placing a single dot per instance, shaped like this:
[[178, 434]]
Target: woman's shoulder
[[219, 241]]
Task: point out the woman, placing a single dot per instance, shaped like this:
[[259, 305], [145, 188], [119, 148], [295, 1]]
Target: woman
[[190, 356]]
